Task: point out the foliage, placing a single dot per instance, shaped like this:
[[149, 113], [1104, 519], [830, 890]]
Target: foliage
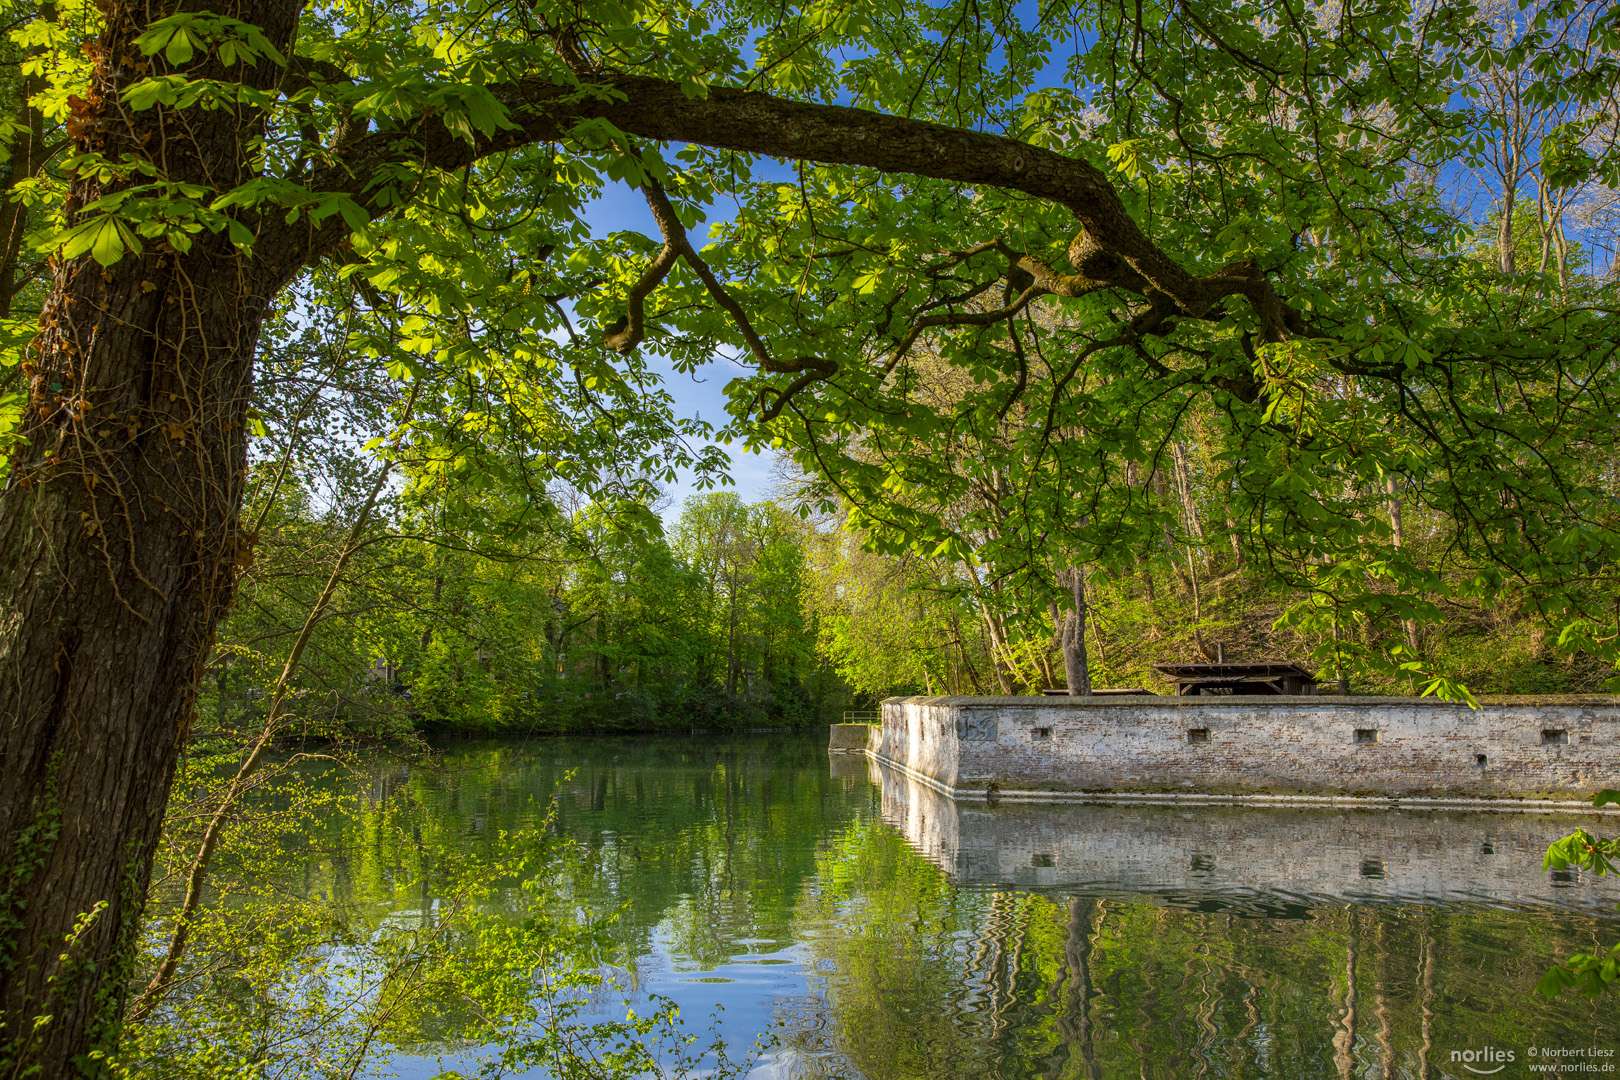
[[890, 625], [1004, 439], [411, 940], [1343, 336], [588, 627], [1590, 973]]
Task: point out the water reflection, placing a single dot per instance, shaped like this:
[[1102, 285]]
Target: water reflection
[[882, 932], [1283, 860], [1102, 941]]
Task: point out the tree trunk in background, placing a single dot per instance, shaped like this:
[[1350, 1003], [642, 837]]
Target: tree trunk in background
[[1506, 256], [1339, 675], [967, 661], [1237, 547], [1070, 627], [28, 156], [1157, 482], [1561, 245], [1409, 627], [119, 548], [1142, 564], [1543, 226], [998, 650], [438, 596], [1189, 505], [731, 639]]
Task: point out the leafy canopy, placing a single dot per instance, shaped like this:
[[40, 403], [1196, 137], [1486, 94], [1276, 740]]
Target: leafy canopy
[[982, 263]]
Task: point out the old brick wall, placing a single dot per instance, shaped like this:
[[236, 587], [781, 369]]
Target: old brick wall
[[1553, 747]]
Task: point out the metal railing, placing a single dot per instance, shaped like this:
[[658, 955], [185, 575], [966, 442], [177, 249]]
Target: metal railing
[[862, 716]]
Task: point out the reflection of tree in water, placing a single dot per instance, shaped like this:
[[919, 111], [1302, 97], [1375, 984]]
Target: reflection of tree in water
[[924, 981], [712, 845], [1073, 993], [1344, 1039]]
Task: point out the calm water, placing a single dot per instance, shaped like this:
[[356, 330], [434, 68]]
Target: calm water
[[877, 931]]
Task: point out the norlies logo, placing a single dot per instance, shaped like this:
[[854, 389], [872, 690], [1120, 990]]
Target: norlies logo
[[1486, 1061]]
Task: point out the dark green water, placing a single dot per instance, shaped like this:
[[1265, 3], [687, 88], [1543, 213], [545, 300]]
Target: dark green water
[[876, 931]]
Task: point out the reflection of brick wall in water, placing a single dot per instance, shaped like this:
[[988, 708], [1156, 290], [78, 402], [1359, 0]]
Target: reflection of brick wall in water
[[1562, 747], [1315, 854]]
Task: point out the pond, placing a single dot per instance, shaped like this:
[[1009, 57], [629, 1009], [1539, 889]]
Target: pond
[[870, 929]]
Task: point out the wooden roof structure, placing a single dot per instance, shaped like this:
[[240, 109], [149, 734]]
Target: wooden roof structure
[[1265, 677]]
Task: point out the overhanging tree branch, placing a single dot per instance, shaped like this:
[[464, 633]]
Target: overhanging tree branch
[[1111, 248]]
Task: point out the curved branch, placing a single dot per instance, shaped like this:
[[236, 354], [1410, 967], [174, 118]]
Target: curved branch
[[678, 244], [1114, 251], [973, 318], [626, 333]]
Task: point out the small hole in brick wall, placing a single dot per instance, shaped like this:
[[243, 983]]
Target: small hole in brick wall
[[1203, 864], [1198, 735], [1487, 848], [1564, 877], [1043, 733], [1481, 760], [1367, 735], [1373, 868], [1042, 858], [1555, 737]]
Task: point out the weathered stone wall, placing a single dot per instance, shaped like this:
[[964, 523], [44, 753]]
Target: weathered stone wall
[[923, 736], [845, 737], [1250, 855], [1532, 747]]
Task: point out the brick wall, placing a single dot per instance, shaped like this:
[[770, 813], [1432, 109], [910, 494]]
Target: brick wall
[[1526, 747]]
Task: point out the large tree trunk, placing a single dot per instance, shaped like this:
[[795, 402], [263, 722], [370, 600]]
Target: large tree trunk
[[119, 546]]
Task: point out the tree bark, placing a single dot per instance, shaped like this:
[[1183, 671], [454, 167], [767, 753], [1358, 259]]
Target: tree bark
[[1189, 505], [1409, 627], [998, 650], [1506, 257], [119, 549]]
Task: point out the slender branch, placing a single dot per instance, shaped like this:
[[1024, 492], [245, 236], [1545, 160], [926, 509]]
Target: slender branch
[[628, 332], [623, 335], [971, 318], [198, 875]]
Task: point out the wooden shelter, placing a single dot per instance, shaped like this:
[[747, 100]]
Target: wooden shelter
[[1268, 677]]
